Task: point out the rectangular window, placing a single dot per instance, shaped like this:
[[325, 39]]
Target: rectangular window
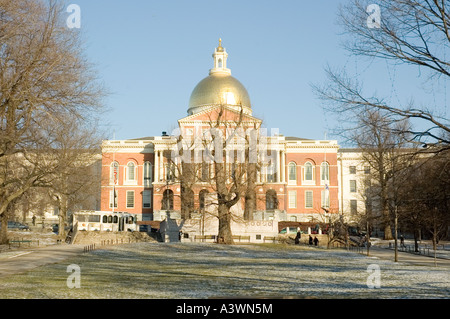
[[352, 186], [94, 218], [352, 169], [324, 172], [325, 198], [292, 199], [170, 172], [148, 167], [113, 199], [271, 177], [366, 169], [292, 173], [130, 199], [147, 199], [131, 171], [308, 199], [353, 206], [205, 172], [308, 172]]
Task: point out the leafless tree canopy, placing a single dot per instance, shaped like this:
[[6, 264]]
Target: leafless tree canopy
[[45, 81], [411, 32], [395, 137]]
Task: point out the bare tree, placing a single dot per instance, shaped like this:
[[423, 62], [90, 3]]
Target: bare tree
[[77, 176], [222, 156], [43, 78], [425, 197], [413, 33], [383, 152]]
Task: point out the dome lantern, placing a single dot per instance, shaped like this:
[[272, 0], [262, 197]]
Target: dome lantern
[[220, 56]]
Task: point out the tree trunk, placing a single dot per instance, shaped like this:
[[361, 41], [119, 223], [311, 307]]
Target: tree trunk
[[387, 221], [388, 232], [225, 236], [416, 240], [4, 229], [187, 195], [63, 207], [224, 205], [250, 205]]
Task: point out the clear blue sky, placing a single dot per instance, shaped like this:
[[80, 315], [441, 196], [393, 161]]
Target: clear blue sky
[[151, 54]]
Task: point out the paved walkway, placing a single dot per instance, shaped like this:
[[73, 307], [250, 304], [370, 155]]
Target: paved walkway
[[404, 257], [23, 260]]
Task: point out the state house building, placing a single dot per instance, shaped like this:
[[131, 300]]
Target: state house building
[[303, 179]]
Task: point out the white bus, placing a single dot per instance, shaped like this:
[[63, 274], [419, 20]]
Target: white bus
[[104, 221]]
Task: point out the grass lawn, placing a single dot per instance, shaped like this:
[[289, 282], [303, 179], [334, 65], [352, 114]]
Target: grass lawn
[[187, 270]]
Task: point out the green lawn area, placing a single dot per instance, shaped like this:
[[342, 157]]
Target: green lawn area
[[188, 270]]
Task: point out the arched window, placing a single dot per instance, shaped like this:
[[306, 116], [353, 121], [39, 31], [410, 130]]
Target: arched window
[[220, 63], [110, 219], [104, 219], [308, 174], [167, 201], [292, 173], [324, 173], [271, 200], [148, 172], [131, 171], [114, 173], [202, 198]]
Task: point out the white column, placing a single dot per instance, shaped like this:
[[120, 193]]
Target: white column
[[156, 166], [278, 166], [283, 166], [161, 166]]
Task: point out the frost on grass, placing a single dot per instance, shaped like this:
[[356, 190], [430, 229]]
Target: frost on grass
[[187, 270]]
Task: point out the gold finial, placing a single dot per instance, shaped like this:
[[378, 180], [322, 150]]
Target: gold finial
[[219, 48]]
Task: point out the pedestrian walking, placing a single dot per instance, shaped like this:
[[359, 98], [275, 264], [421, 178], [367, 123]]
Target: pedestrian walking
[[297, 238], [316, 241], [310, 240], [402, 241]]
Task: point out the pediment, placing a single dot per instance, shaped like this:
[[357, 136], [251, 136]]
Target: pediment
[[211, 115]]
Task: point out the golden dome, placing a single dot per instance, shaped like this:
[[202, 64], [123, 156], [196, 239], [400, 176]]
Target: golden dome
[[217, 89]]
